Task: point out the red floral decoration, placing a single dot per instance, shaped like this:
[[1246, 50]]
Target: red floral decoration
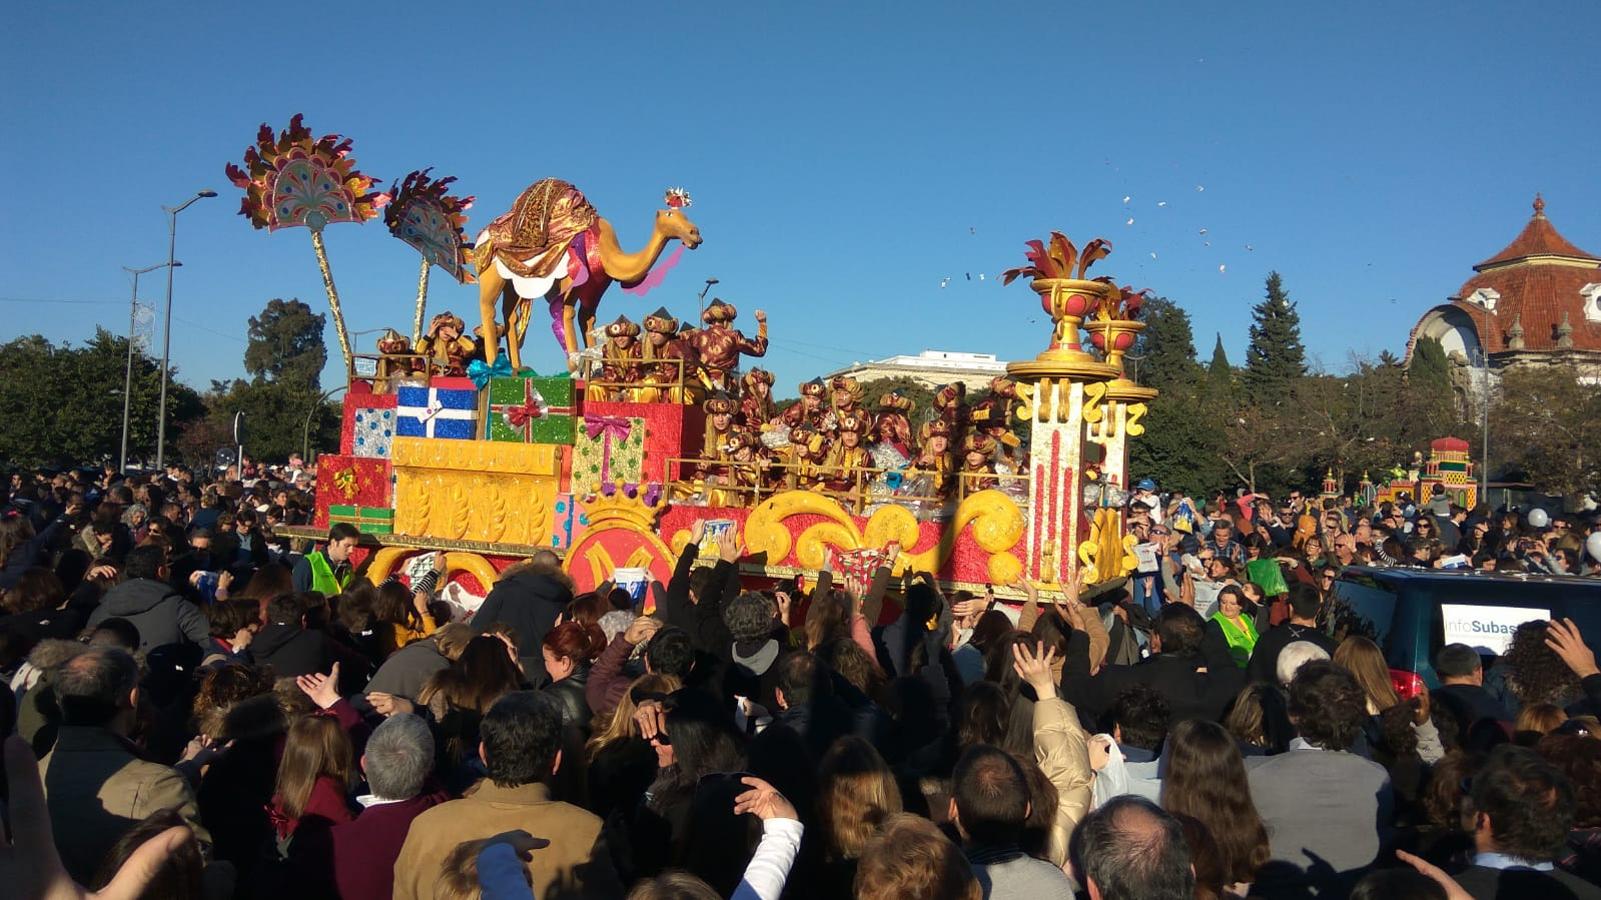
[[292, 179], [432, 221]]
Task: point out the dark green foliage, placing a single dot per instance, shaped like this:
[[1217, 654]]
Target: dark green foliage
[[1275, 357], [285, 344], [1164, 353], [63, 404]]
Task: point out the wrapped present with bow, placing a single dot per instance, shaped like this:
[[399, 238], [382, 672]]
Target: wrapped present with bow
[[532, 409], [367, 519], [443, 408], [346, 481], [609, 449]]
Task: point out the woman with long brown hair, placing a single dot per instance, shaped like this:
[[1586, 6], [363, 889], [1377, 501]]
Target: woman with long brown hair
[[459, 696], [315, 773], [402, 616], [856, 793], [1206, 780]]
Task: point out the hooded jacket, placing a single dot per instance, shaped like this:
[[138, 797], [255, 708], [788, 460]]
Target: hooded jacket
[[529, 602], [292, 650], [160, 613]]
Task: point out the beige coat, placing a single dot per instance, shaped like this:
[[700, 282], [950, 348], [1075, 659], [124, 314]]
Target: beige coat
[[1062, 751], [97, 788], [574, 865]]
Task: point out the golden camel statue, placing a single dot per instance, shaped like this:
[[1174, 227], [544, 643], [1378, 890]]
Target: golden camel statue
[[552, 245]]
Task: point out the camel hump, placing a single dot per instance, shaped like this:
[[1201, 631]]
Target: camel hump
[[533, 234]]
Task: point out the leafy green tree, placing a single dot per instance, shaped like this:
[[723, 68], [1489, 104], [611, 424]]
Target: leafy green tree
[[285, 344], [1546, 427], [276, 416], [1219, 374], [1275, 357], [1181, 443], [284, 356], [1164, 353], [1432, 400], [62, 405]]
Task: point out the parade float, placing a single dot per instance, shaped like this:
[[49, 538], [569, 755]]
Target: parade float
[[449, 444]]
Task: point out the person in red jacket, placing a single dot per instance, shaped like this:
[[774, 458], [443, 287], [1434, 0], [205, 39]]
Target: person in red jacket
[[355, 860]]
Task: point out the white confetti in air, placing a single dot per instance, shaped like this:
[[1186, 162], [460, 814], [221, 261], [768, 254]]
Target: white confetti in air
[[1153, 254], [1126, 199], [1203, 231], [1222, 268], [944, 281], [981, 276], [1161, 203], [1130, 221], [1206, 243], [1249, 247], [1199, 188]]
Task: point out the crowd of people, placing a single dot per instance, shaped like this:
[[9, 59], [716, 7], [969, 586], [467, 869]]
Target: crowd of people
[[201, 709]]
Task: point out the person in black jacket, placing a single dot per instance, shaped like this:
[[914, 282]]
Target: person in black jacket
[[569, 650], [1522, 810], [1178, 654], [293, 649], [1461, 690], [528, 598], [145, 599], [1301, 626]]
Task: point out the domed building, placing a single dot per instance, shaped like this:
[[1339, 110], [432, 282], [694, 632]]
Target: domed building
[[1537, 302]]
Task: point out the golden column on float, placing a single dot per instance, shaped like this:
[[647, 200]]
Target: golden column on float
[[1057, 392], [1114, 419]]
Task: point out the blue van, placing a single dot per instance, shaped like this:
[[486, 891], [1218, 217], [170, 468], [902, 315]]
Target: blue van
[[1412, 613]]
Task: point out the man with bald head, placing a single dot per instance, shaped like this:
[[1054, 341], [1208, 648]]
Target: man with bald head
[[1132, 849]]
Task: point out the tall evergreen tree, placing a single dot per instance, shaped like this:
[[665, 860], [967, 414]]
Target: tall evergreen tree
[[1164, 353], [1276, 356], [1219, 374]]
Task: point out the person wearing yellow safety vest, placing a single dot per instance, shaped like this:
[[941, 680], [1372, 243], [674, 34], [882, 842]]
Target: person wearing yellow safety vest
[[1237, 628], [328, 571]]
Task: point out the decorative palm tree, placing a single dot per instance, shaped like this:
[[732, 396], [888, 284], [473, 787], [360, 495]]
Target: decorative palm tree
[[434, 223], [294, 180]]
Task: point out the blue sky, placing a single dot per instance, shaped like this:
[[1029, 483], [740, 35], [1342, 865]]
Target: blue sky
[[845, 157]]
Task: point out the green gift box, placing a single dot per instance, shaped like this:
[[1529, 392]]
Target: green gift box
[[367, 519], [536, 409]]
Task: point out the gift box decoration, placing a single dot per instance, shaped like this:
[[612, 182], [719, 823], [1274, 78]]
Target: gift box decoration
[[476, 490], [358, 401], [367, 519], [569, 520], [352, 481], [444, 408], [608, 449], [373, 433], [532, 409]]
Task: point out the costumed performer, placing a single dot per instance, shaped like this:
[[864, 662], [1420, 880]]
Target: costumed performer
[[809, 412], [756, 407], [621, 366], [978, 467], [719, 345], [847, 455], [670, 363], [445, 348]]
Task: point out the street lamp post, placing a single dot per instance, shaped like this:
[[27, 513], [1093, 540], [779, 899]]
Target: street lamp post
[[166, 325], [1484, 452], [709, 283], [127, 375]]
